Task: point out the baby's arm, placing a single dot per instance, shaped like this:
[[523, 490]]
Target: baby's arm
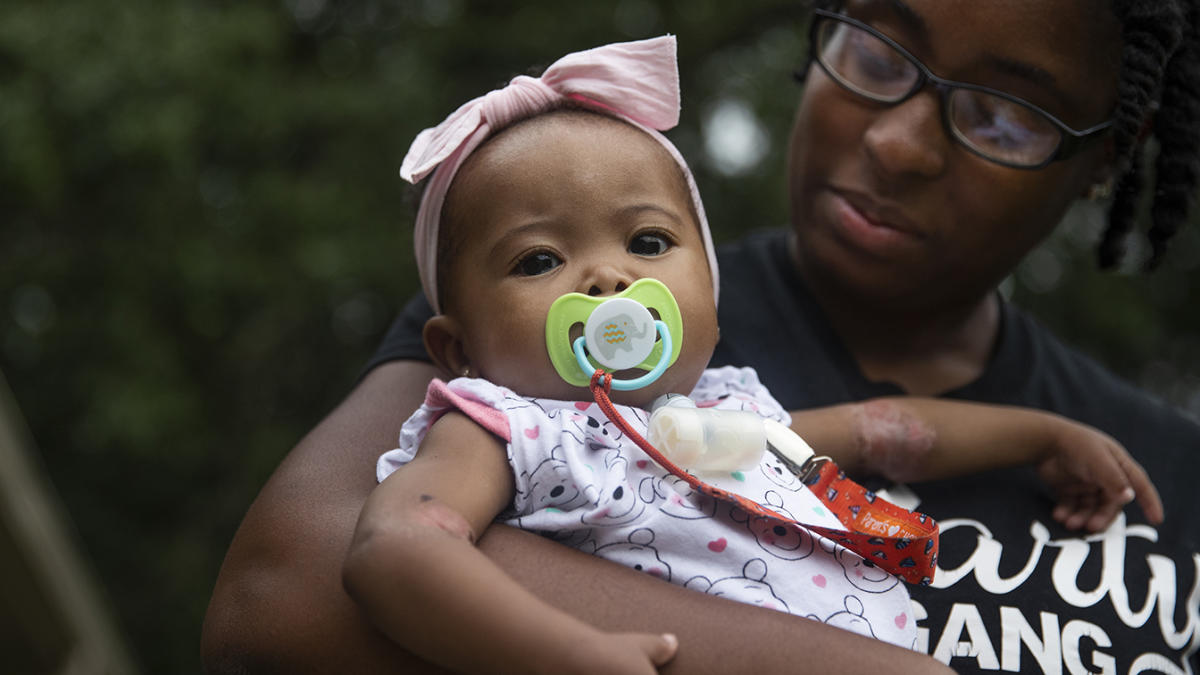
[[414, 569], [911, 438]]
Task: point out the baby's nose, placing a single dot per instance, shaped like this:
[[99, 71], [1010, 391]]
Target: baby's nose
[[607, 280]]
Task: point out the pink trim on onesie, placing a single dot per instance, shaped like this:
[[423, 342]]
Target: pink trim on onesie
[[440, 396]]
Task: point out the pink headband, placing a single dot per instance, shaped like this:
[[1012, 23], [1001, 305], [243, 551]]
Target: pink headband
[[636, 81]]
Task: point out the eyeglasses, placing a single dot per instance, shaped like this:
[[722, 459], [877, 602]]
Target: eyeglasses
[[990, 123]]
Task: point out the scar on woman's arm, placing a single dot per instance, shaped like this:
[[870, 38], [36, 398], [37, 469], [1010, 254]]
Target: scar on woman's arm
[[893, 441], [434, 513]]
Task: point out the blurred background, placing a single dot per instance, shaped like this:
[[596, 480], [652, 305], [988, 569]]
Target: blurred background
[[204, 237]]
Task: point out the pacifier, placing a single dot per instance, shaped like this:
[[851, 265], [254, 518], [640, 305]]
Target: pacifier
[[619, 332]]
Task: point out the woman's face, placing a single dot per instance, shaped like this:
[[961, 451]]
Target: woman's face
[[888, 208]]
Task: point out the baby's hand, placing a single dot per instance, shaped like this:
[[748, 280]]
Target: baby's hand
[[1094, 478], [632, 653]]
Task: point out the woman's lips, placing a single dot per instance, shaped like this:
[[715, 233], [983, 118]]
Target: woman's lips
[[863, 225]]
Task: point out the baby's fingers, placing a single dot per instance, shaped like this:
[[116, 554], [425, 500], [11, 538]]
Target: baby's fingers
[[1106, 511], [1073, 511], [658, 648], [1093, 511], [1146, 493]]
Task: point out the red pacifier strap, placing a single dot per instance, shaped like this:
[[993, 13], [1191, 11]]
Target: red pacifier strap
[[903, 542]]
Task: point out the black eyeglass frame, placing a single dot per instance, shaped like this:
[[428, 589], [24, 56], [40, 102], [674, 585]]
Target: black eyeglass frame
[[1070, 140]]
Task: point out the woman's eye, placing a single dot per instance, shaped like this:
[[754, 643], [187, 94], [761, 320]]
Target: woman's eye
[[537, 263], [876, 61], [649, 245]]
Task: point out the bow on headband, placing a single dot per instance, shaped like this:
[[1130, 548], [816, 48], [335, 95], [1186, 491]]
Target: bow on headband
[[636, 81]]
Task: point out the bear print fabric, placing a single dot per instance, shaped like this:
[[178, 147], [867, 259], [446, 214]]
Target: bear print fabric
[[579, 482]]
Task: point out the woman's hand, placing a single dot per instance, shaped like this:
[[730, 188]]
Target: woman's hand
[[1094, 477]]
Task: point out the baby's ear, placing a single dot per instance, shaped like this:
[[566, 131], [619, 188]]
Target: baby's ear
[[444, 342]]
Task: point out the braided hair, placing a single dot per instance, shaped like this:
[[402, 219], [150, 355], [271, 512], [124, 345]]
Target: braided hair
[[1157, 91]]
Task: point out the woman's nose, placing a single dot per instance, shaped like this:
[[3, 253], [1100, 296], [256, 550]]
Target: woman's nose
[[606, 279], [909, 138]]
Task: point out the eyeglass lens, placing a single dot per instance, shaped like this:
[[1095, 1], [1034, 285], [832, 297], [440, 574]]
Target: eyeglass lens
[[991, 125]]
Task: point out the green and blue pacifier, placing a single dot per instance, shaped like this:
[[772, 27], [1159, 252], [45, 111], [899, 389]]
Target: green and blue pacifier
[[619, 333]]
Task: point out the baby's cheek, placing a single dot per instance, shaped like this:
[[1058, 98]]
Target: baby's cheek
[[892, 441], [436, 514]]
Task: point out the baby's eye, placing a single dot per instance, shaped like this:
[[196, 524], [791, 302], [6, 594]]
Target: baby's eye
[[649, 244], [537, 263]]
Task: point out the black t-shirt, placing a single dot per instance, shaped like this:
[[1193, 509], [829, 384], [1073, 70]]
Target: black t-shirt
[[1014, 592]]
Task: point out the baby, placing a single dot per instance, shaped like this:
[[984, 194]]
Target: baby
[[562, 187]]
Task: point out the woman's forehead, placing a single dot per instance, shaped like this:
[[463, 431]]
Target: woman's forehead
[[1064, 54], [1062, 32]]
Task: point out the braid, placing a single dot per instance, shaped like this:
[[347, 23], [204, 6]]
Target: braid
[[1178, 165], [1159, 66], [1122, 213]]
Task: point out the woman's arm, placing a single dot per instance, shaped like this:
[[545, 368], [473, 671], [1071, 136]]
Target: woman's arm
[[414, 569], [908, 438], [279, 604]]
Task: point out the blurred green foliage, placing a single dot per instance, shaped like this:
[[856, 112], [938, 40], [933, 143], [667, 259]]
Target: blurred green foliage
[[204, 236]]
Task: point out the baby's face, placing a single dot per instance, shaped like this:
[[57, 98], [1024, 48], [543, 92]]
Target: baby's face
[[571, 204]]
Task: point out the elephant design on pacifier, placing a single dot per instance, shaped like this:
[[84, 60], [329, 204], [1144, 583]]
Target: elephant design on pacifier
[[619, 333]]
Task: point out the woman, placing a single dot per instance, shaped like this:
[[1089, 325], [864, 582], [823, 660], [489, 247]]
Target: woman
[[908, 208]]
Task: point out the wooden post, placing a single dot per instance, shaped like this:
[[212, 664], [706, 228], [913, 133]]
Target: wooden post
[[53, 616]]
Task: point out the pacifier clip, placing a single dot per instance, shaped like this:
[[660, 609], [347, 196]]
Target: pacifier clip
[[902, 542]]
